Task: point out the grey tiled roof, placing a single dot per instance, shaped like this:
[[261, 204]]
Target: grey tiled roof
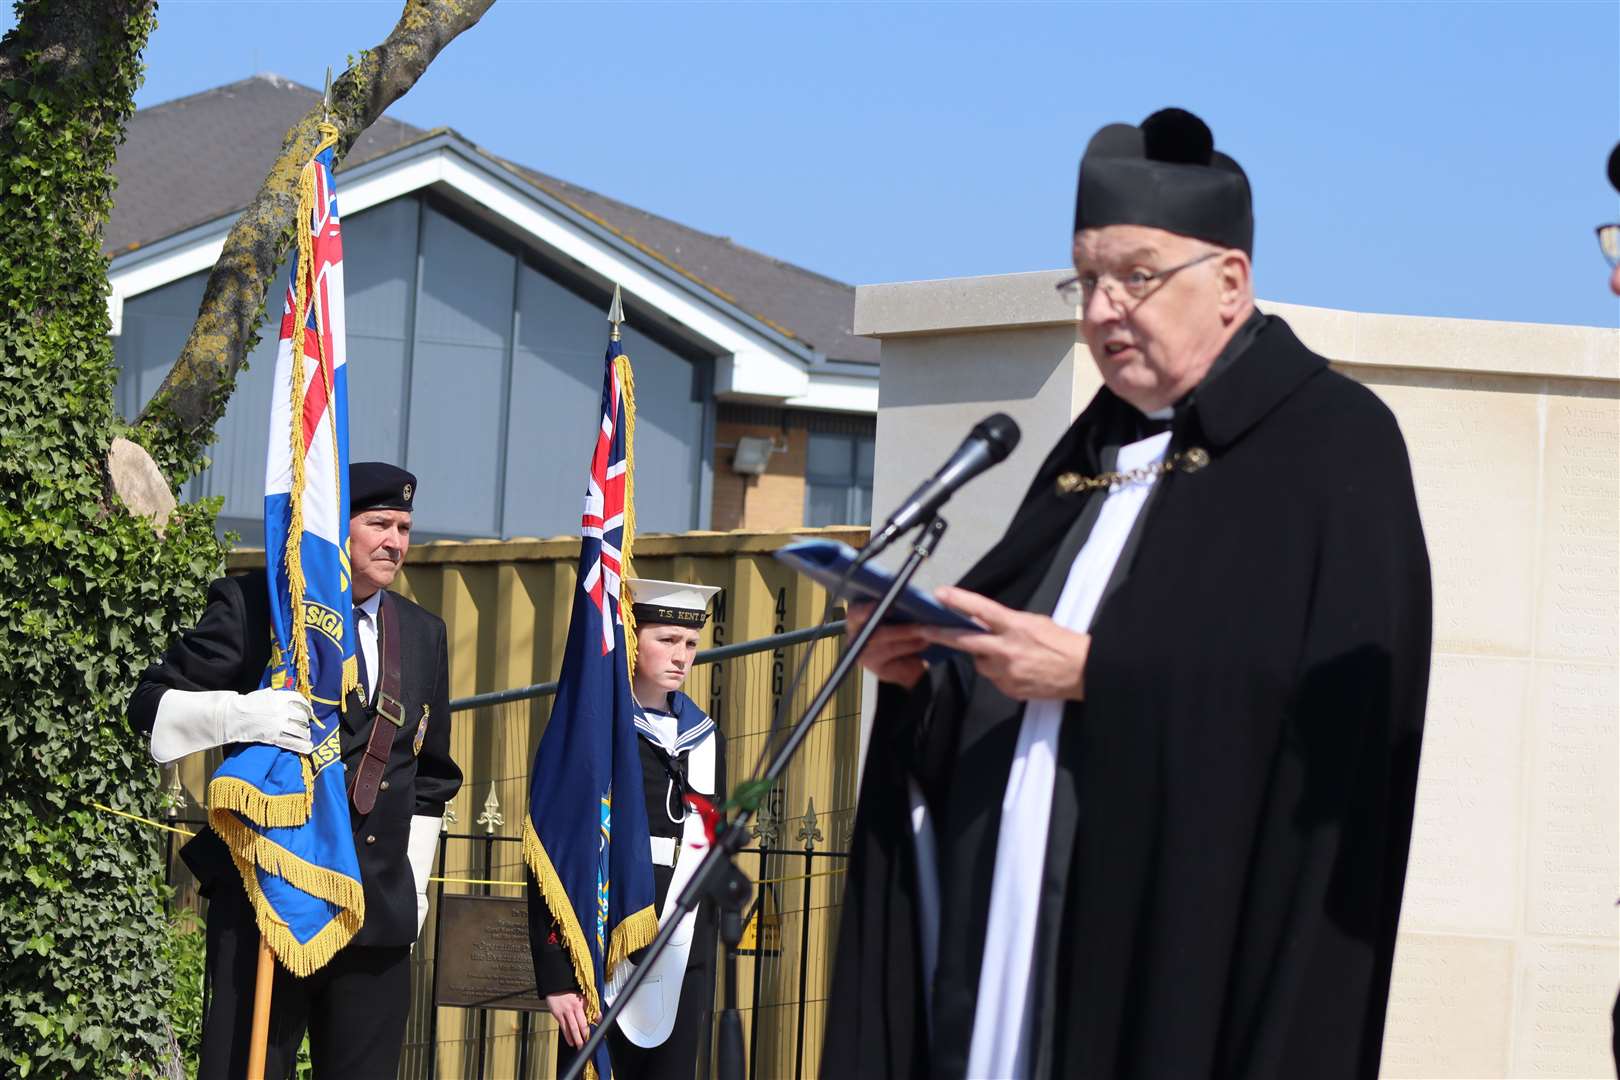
[[197, 159]]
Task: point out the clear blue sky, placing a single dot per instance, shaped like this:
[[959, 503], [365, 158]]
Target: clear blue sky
[[1436, 159]]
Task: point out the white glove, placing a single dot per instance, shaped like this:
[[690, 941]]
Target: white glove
[[192, 720], [423, 845]]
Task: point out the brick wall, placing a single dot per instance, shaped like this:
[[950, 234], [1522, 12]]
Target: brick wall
[[774, 500]]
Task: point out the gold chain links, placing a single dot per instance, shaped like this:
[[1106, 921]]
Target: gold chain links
[[1189, 460]]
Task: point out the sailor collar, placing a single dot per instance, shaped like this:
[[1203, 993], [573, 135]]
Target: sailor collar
[[692, 725]]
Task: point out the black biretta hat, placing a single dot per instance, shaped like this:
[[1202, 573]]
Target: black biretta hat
[[377, 485], [1165, 174]]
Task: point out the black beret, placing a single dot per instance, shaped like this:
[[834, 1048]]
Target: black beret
[[377, 485], [1165, 174], [1614, 166]]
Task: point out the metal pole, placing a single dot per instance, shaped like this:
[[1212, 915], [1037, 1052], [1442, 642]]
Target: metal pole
[[483, 1014], [759, 956], [809, 832], [491, 819], [767, 830], [438, 926], [718, 654]]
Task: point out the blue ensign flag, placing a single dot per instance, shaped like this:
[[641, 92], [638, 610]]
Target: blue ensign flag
[[586, 838]]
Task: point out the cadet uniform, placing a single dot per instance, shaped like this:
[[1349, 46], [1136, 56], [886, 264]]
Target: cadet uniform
[[662, 1029], [396, 757]]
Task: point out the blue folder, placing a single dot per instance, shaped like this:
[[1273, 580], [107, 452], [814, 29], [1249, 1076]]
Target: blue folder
[[826, 561]]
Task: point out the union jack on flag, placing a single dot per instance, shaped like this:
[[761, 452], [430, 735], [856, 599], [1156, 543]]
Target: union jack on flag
[[589, 851], [285, 816], [604, 504]]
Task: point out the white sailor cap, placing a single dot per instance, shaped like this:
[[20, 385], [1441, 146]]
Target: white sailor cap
[[675, 602]]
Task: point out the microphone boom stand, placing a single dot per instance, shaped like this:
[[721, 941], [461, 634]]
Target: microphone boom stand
[[717, 876]]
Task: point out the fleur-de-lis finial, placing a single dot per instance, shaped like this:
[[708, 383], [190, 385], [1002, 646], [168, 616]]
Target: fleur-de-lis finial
[[176, 793], [491, 818], [767, 825], [810, 831]]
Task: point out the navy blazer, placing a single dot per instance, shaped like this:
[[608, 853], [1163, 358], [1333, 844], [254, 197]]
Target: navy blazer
[[229, 650]]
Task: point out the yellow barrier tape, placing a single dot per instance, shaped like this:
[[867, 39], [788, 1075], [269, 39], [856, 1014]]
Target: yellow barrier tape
[[450, 880], [143, 820], [797, 877], [761, 881]]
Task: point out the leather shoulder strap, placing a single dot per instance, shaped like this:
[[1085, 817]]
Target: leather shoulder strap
[[389, 702], [380, 742]]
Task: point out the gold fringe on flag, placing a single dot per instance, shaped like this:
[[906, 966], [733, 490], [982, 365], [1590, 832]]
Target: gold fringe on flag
[[627, 419], [301, 301], [230, 799], [249, 848], [562, 909]]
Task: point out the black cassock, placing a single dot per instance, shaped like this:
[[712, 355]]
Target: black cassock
[[1233, 802], [664, 776]]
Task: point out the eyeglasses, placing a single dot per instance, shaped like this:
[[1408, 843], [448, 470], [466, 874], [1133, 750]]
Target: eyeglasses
[[1136, 284], [1609, 241]]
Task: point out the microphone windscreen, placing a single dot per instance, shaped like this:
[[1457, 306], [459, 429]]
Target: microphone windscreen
[[1001, 432]]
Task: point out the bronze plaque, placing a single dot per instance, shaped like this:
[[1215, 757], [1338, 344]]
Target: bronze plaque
[[484, 960]]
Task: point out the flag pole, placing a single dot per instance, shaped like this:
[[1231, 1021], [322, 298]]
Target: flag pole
[[263, 983], [264, 978]]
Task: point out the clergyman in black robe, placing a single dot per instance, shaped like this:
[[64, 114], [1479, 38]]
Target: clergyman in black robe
[[1223, 655]]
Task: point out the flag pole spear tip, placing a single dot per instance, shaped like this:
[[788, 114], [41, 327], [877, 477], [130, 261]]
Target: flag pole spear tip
[[326, 95], [616, 311]]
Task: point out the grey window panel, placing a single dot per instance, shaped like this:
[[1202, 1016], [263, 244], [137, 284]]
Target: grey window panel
[[829, 457], [237, 458], [466, 296], [826, 504], [458, 374], [838, 480], [156, 325], [455, 400], [860, 506], [379, 269], [865, 456], [376, 397], [379, 276], [669, 436], [556, 398], [556, 395]]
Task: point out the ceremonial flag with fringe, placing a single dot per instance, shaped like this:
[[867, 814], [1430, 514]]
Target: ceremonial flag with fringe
[[586, 839], [284, 816]]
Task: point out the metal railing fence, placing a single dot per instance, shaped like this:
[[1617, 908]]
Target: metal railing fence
[[800, 843]]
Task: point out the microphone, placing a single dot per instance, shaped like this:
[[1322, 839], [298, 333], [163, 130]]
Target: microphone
[[989, 443]]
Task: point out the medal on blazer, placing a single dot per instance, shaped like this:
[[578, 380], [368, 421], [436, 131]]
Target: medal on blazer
[[421, 733]]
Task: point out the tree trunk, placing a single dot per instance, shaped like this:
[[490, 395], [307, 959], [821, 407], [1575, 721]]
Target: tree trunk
[[178, 423], [59, 43]]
